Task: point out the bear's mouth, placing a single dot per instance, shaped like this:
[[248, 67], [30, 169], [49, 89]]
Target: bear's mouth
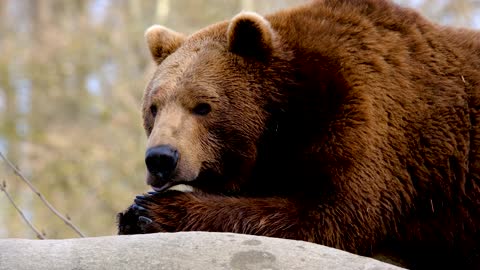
[[160, 184]]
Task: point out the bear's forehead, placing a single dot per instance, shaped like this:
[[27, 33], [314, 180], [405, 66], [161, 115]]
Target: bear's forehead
[[186, 70], [201, 56]]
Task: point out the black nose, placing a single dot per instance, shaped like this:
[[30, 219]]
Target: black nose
[[161, 160]]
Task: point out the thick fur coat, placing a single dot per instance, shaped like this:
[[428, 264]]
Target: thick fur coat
[[349, 123]]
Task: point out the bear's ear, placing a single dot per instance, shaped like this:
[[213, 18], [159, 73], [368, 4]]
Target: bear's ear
[[249, 34], [162, 42]]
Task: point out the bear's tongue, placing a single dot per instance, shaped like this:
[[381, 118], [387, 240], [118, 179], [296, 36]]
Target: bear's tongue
[[173, 186], [182, 188], [160, 189]]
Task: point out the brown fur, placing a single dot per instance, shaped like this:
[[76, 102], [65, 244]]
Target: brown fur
[[162, 42], [351, 123]]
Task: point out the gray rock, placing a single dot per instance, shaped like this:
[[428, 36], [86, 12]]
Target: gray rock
[[170, 251]]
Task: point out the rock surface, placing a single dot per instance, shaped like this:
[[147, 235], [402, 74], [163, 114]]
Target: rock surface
[[170, 251]]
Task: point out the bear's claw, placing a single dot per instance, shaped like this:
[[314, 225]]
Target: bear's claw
[[139, 210], [144, 220], [136, 219], [143, 215], [142, 197], [144, 200]]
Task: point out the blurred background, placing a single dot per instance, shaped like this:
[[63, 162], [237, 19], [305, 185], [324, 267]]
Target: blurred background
[[71, 80]]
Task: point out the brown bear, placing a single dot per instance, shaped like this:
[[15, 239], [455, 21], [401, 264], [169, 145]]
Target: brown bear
[[349, 123]]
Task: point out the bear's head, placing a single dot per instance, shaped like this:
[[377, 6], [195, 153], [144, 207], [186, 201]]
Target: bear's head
[[209, 103]]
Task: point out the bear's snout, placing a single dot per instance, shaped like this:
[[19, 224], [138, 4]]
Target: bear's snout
[[161, 162]]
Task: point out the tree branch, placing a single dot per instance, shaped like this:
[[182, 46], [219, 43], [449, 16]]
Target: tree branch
[[42, 198], [3, 187]]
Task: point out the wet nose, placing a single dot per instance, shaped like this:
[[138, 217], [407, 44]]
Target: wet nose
[[161, 160]]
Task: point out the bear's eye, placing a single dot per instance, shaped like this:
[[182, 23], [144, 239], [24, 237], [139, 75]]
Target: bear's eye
[[153, 110], [202, 109]]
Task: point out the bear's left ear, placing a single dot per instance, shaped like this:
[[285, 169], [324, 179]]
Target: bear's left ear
[[249, 34], [162, 41]]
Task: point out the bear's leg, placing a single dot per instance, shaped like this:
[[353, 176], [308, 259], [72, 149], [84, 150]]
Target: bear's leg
[[339, 225]]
